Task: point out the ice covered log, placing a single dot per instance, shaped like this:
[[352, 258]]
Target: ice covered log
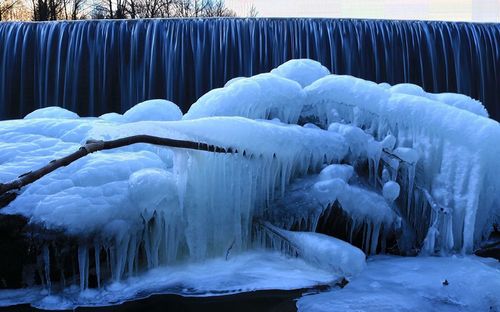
[[328, 253], [458, 152]]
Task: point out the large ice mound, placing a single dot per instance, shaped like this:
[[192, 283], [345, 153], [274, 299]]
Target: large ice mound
[[456, 151], [303, 145]]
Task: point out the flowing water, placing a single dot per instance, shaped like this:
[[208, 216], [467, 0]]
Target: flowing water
[[94, 67]]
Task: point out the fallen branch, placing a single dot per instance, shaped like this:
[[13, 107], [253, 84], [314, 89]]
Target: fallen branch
[[92, 146], [272, 231]]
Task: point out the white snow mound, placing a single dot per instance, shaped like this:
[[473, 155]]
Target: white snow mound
[[55, 112], [153, 110], [304, 71]]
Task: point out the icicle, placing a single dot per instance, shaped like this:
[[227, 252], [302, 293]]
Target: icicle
[[97, 255], [132, 254], [374, 238], [46, 262], [411, 181], [83, 264], [181, 160], [353, 227], [367, 237]]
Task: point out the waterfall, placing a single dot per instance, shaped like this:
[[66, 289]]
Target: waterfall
[[94, 67]]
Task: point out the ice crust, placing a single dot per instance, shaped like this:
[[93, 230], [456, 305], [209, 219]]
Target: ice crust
[[393, 158], [245, 272], [415, 284]]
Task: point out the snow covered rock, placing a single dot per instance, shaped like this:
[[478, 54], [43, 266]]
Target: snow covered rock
[[55, 112], [336, 171], [153, 110], [264, 96], [112, 117], [304, 71]]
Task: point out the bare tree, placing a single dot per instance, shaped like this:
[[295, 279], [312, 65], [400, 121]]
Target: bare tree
[[150, 8], [218, 9], [123, 9], [47, 10], [253, 11], [110, 9], [73, 9], [183, 8], [77, 9], [14, 10], [50, 10], [6, 6]]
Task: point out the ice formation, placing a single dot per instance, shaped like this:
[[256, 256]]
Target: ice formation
[[264, 96], [419, 166], [154, 110], [304, 71], [456, 152], [111, 197], [457, 100], [151, 110], [52, 112], [307, 200], [328, 253], [245, 272]]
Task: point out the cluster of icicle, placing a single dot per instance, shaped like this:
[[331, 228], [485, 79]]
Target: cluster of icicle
[[440, 150], [456, 178]]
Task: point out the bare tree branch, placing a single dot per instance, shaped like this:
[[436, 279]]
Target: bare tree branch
[[94, 146]]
